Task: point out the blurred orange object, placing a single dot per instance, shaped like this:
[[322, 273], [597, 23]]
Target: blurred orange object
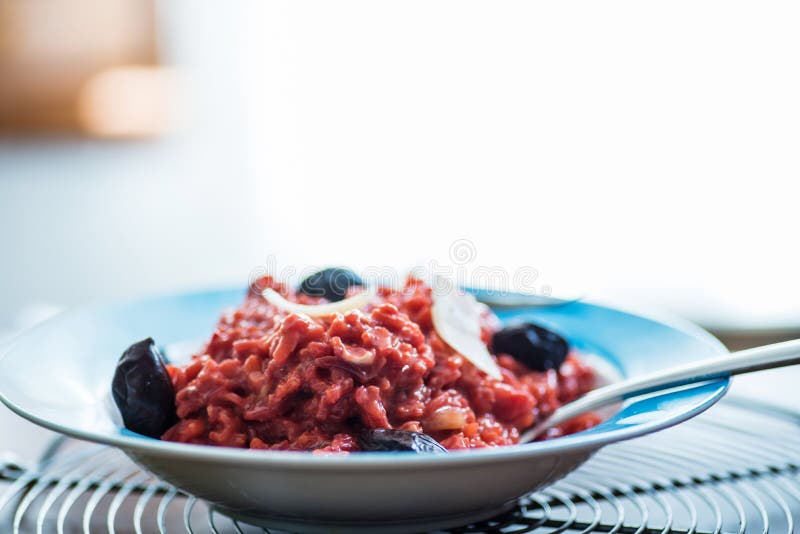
[[52, 55], [128, 101]]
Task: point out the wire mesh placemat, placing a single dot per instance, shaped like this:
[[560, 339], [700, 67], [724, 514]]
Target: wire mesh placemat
[[733, 469]]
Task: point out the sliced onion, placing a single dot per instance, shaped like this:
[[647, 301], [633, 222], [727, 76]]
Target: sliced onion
[[445, 419], [319, 310], [457, 319], [358, 355]]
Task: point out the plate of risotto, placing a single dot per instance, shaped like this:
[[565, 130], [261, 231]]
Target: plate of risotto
[[337, 404]]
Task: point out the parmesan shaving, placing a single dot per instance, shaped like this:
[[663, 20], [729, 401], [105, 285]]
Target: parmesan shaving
[[456, 316], [319, 310]]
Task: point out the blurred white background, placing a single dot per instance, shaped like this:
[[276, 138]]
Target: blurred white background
[[631, 151]]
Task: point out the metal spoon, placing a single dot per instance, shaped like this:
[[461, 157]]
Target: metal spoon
[[745, 361]]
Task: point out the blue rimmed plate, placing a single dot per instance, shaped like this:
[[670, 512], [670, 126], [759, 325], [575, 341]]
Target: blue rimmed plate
[[58, 375]]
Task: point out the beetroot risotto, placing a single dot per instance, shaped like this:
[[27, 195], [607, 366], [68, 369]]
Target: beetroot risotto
[[275, 377]]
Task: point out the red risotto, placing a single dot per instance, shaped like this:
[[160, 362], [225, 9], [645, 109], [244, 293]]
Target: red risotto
[[273, 379]]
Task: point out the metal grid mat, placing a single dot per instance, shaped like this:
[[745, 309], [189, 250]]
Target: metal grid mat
[[733, 469]]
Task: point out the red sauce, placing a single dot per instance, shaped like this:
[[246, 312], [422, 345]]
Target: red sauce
[[269, 379]]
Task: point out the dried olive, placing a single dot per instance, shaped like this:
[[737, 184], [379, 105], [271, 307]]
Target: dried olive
[[142, 390], [535, 347], [331, 283], [382, 439]]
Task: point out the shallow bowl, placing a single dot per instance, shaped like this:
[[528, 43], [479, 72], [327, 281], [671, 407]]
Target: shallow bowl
[[58, 374]]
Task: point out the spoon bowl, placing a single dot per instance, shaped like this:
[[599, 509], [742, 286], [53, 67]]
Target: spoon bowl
[[746, 361]]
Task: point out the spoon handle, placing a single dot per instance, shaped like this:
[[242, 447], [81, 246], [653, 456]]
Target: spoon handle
[[744, 361]]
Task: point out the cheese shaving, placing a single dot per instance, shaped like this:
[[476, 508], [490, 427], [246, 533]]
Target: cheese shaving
[[456, 316], [319, 310]]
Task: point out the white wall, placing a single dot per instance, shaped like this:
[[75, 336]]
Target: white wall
[[635, 149], [627, 149]]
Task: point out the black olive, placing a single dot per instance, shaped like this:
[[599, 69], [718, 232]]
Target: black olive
[[164, 352], [381, 439], [331, 283], [142, 390], [535, 347]]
